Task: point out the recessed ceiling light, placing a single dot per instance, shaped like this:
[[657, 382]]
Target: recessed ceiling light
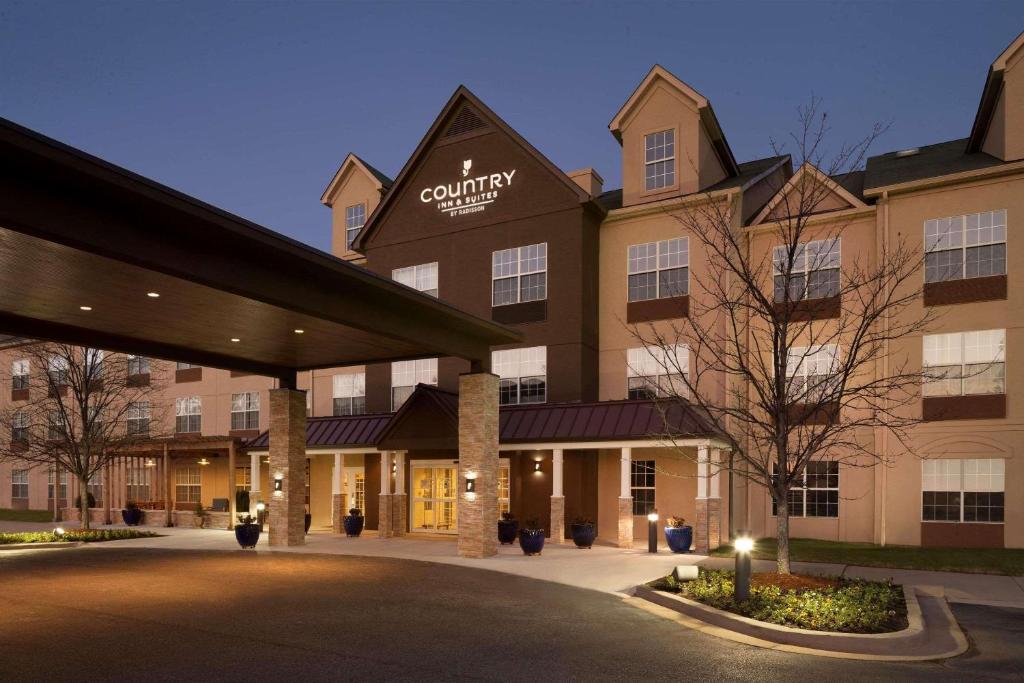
[[235, 339], [85, 308], [299, 331], [153, 295]]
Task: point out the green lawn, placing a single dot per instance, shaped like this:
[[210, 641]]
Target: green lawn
[[25, 515], [976, 560]]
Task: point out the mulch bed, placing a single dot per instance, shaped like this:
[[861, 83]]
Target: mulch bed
[[793, 582]]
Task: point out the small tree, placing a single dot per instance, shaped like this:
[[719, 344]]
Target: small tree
[[85, 407], [782, 384]]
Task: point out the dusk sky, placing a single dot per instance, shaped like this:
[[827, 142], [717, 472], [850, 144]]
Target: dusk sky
[[252, 106]]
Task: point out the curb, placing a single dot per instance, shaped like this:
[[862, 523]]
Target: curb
[[55, 544], [925, 627]]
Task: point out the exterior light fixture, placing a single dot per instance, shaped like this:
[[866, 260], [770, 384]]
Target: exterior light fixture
[[261, 513], [470, 485], [394, 467], [150, 462], [536, 466], [261, 506], [203, 461], [85, 308], [652, 532], [744, 545], [300, 331], [153, 295], [279, 485], [59, 532], [235, 340]]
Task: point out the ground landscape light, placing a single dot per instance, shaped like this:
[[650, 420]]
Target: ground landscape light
[[59, 531]]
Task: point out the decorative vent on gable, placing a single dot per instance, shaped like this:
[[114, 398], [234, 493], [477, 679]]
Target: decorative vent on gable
[[465, 121]]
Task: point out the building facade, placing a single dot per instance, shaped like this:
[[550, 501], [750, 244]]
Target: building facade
[[482, 220]]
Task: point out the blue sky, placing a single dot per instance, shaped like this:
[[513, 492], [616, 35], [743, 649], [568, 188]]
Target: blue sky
[[252, 106]]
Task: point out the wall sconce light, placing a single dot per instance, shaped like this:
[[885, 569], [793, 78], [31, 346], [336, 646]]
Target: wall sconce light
[[394, 467], [470, 485], [536, 467], [278, 485], [150, 462]]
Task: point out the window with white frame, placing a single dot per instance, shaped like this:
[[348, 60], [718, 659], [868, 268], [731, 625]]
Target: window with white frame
[[972, 245], [245, 410], [519, 275], [57, 430], [138, 416], [641, 486], [355, 218], [188, 414], [965, 363], [19, 484], [350, 394], [19, 427], [422, 277], [968, 490], [94, 362], [50, 482], [95, 489], [188, 484], [660, 159], [504, 487], [814, 273], [243, 477], [522, 374], [138, 365], [19, 374], [138, 481], [812, 372], [657, 372], [57, 369], [406, 374], [659, 270], [817, 494]]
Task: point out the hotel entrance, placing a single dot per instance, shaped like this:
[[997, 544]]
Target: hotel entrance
[[434, 496]]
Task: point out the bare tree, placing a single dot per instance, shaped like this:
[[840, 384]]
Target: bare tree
[[84, 408], [790, 347]]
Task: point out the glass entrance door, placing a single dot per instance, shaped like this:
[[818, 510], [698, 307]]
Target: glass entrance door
[[434, 496]]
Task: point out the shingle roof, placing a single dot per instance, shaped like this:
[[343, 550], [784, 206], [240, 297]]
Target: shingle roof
[[348, 430], [384, 180], [930, 161]]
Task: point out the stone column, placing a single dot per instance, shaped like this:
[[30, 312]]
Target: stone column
[[232, 504], [384, 529], [168, 497], [478, 460], [337, 496], [254, 483], [287, 464], [625, 500], [557, 498], [707, 531], [400, 500]]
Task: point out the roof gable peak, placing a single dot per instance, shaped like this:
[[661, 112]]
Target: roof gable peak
[[807, 170], [353, 162]]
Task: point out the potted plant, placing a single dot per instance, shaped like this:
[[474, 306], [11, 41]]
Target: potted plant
[[678, 534], [583, 532], [199, 516], [507, 528], [131, 514], [531, 538], [353, 522], [247, 531]]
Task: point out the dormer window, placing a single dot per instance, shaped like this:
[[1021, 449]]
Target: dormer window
[[355, 217], [660, 160]]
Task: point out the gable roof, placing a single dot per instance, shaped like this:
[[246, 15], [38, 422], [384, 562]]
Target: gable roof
[[347, 430], [833, 183], [351, 160], [461, 97], [990, 95], [707, 113], [930, 161]]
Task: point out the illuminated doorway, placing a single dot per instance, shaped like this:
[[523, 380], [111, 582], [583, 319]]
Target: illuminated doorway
[[434, 488]]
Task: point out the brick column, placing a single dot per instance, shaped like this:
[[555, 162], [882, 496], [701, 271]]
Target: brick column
[[400, 500], [338, 510], [478, 460], [625, 539], [557, 497], [385, 514], [168, 502], [707, 532], [232, 489], [287, 463]]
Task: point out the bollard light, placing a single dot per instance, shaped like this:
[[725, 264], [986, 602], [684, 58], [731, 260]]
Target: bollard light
[[59, 532], [652, 532], [261, 516], [744, 545]]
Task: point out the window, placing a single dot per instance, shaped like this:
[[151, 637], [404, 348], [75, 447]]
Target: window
[[188, 484], [19, 484], [641, 486], [350, 394], [522, 374], [422, 277], [19, 374], [188, 414], [57, 429], [504, 487], [973, 245], [817, 494], [812, 371], [660, 160], [814, 273], [63, 485], [95, 488], [243, 477], [519, 275], [358, 491], [138, 418], [659, 270], [355, 217], [186, 366], [245, 410], [654, 371], [19, 427], [962, 490], [93, 363], [57, 369], [307, 481], [138, 365], [406, 374], [965, 363], [138, 483]]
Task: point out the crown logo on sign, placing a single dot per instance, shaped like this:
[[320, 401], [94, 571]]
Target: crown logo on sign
[[466, 165]]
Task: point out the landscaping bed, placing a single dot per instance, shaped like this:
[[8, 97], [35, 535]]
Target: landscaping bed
[[74, 535], [815, 603], [9, 515]]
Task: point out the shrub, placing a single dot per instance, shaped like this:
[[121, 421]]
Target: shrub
[[241, 499], [532, 524], [675, 522], [85, 535], [355, 512], [583, 521], [508, 517]]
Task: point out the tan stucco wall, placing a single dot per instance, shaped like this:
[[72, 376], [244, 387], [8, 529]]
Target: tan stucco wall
[[355, 187]]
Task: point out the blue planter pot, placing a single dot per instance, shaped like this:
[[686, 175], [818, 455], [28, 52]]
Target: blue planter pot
[[531, 541], [679, 538], [247, 535], [132, 516], [583, 535], [353, 525], [507, 530]]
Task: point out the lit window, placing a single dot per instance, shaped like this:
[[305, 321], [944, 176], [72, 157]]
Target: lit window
[[814, 273], [188, 413], [245, 410], [350, 394], [965, 363], [188, 484], [243, 477], [19, 484], [422, 277], [138, 365], [972, 245], [519, 275], [660, 160], [657, 372], [817, 494], [355, 218], [812, 372], [522, 374], [504, 487], [138, 416], [405, 375], [641, 486], [19, 374], [962, 490], [659, 270], [138, 481]]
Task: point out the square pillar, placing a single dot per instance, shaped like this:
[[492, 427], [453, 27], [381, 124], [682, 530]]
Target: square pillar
[[338, 510], [557, 497], [707, 531], [232, 489], [385, 513], [168, 502], [625, 539], [400, 500], [254, 483], [478, 460], [287, 464]]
